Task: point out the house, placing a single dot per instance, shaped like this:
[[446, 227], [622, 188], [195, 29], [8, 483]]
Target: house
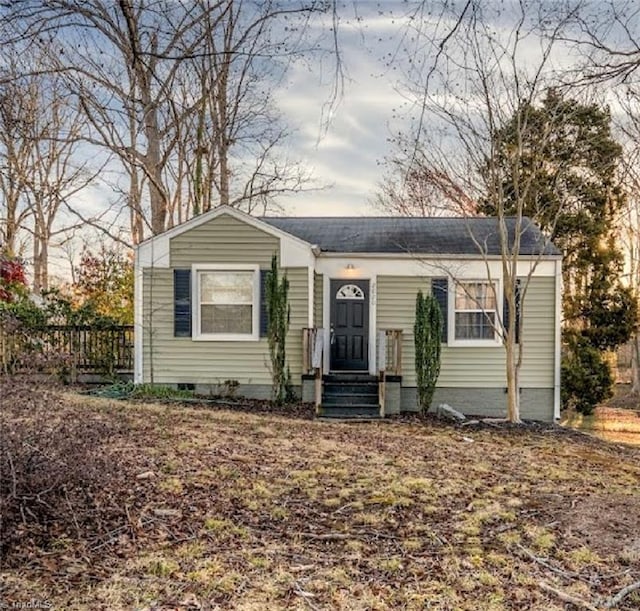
[[200, 317]]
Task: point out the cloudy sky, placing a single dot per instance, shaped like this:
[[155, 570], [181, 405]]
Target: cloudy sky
[[346, 154], [380, 54]]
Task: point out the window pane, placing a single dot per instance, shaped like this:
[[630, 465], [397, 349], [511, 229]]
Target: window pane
[[475, 325], [475, 296], [226, 319], [226, 287]]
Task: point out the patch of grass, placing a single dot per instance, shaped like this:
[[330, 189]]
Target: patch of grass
[[391, 565], [258, 562], [158, 391], [224, 528], [157, 566], [579, 558], [279, 513], [171, 484], [540, 538], [618, 420]]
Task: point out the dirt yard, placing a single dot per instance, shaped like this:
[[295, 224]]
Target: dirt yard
[[110, 505]]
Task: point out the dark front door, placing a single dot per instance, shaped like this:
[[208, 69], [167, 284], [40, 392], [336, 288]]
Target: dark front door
[[349, 325]]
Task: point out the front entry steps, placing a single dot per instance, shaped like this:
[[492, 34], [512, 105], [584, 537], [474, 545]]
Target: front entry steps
[[349, 395]]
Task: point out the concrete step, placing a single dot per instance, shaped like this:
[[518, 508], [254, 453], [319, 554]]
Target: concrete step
[[343, 378], [349, 411], [349, 398], [350, 388]]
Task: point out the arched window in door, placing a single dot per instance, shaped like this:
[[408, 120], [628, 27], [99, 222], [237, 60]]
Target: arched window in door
[[349, 291]]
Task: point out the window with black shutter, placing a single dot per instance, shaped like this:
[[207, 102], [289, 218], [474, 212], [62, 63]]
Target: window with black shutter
[[505, 312], [440, 292], [182, 302], [228, 302]]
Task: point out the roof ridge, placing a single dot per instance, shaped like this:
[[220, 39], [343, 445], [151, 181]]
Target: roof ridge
[[408, 218]]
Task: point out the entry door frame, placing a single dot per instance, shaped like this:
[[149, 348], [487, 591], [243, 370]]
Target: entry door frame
[[349, 363], [326, 315]]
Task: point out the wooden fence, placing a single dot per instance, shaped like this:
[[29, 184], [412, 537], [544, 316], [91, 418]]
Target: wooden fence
[[85, 349]]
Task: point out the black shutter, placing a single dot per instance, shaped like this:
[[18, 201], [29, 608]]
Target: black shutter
[[505, 312], [182, 303], [264, 318], [440, 292]]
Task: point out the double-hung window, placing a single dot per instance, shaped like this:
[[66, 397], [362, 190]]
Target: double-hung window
[[227, 302], [475, 311]]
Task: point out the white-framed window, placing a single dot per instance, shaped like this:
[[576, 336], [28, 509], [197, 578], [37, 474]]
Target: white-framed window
[[226, 302], [474, 312]]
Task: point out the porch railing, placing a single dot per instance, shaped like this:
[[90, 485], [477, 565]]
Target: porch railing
[[390, 351], [89, 349], [389, 361], [312, 358]]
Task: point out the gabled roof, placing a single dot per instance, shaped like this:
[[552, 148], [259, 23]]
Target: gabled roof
[[376, 235], [415, 235]]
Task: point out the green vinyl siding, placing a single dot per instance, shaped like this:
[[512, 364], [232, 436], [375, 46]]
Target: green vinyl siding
[[396, 309], [182, 360], [223, 240], [299, 303], [538, 333], [318, 295], [471, 367]]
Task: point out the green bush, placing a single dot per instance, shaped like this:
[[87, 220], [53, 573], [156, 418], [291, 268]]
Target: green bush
[[427, 332], [22, 313], [278, 315], [586, 376]]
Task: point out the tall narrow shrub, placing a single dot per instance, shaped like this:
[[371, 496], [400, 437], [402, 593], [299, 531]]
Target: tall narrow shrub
[[427, 332], [278, 315]]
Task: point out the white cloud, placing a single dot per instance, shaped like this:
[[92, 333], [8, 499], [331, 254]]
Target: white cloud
[[347, 156]]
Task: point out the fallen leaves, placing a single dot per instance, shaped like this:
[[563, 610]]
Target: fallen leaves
[[210, 509]]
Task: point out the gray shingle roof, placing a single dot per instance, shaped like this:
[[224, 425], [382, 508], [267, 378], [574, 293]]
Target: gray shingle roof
[[433, 236]]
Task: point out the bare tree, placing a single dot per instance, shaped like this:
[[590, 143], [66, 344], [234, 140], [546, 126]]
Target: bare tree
[[179, 92], [18, 104], [606, 37], [412, 188], [55, 175], [630, 231], [488, 69], [235, 132], [41, 134]]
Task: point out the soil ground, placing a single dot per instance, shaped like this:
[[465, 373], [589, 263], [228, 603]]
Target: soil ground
[[218, 509]]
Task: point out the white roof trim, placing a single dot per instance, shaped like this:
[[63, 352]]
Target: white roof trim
[[196, 221], [428, 256]]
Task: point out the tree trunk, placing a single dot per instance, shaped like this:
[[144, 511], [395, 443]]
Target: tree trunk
[[40, 264], [153, 162], [10, 229], [144, 77], [224, 137], [635, 364], [513, 381], [135, 217], [44, 269], [512, 351]]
